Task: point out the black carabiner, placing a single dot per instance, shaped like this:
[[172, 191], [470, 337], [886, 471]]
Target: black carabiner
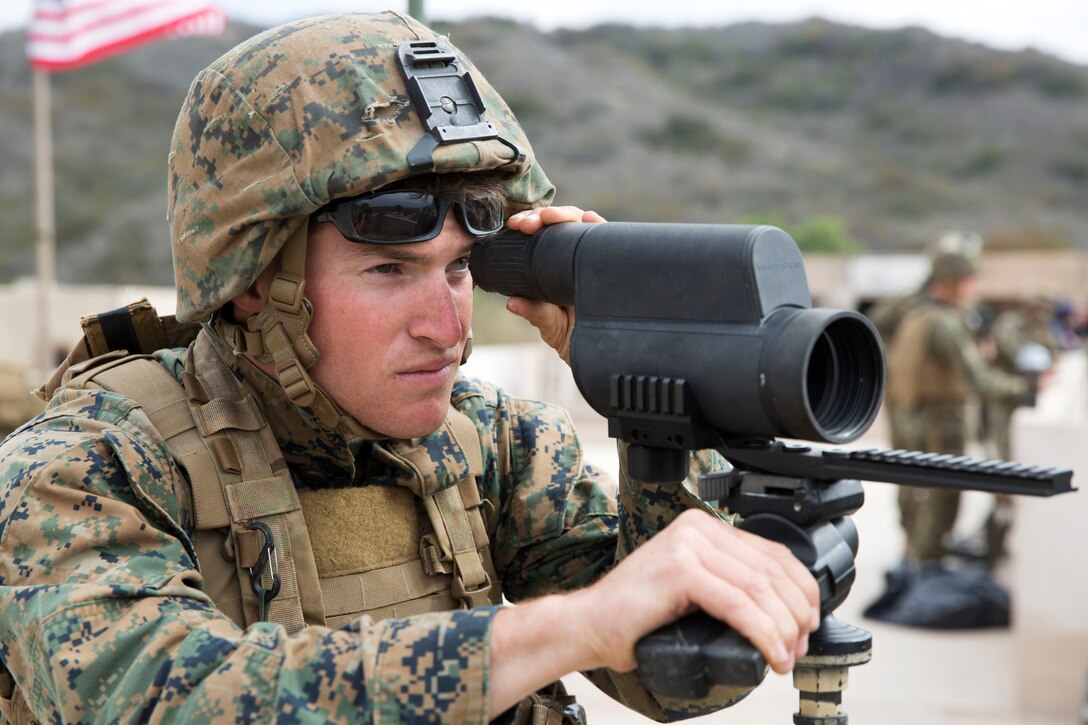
[[266, 557]]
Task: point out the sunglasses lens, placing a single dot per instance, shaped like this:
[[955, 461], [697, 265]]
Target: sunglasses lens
[[483, 217], [411, 216], [393, 217]]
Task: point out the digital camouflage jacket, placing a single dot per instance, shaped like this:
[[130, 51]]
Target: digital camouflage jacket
[[102, 616]]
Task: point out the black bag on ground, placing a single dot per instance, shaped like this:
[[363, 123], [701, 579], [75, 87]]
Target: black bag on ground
[[935, 597]]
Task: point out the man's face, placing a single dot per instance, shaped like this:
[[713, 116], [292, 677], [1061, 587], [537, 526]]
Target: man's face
[[390, 322], [965, 290], [959, 291]]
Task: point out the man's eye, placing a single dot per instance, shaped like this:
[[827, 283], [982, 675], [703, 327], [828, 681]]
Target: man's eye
[[383, 268], [460, 265]]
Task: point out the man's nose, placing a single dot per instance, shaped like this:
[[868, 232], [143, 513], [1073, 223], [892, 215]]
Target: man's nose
[[438, 317]]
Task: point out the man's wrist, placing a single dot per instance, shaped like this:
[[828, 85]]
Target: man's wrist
[[536, 643]]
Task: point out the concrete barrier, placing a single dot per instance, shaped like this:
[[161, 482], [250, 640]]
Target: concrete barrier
[[1049, 541]]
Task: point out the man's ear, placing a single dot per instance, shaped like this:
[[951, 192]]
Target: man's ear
[[255, 297]]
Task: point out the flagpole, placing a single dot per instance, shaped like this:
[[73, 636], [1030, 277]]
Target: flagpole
[[44, 208]]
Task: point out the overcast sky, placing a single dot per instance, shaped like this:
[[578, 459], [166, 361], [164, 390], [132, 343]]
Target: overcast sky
[[1059, 27]]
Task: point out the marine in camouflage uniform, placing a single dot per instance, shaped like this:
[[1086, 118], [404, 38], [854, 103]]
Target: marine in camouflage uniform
[[1013, 329], [887, 315], [105, 614], [934, 367], [1027, 324]]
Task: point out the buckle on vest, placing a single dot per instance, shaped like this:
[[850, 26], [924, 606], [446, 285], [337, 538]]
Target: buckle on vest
[[266, 557], [470, 598]]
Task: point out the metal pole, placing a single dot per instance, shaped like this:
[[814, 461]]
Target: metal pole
[[415, 9], [46, 256]]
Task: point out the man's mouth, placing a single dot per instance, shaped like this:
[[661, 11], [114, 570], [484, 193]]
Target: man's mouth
[[430, 369]]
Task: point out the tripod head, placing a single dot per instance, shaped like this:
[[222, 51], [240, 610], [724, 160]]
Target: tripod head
[[803, 497]]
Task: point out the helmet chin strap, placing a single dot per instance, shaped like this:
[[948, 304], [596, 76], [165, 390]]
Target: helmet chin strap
[[277, 334]]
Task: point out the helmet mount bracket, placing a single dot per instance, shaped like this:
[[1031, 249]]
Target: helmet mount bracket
[[447, 100]]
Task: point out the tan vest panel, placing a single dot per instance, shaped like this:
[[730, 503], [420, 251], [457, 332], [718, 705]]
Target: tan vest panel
[[914, 377]]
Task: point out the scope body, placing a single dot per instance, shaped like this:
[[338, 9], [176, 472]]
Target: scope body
[[688, 328]]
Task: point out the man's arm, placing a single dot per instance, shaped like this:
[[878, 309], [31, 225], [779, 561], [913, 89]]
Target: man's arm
[[698, 562], [950, 341]]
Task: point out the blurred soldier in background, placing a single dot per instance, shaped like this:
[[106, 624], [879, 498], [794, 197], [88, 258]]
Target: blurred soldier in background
[[17, 403], [887, 315], [935, 366], [1023, 345]]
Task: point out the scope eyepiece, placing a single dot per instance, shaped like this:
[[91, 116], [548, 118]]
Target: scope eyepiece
[[826, 375]]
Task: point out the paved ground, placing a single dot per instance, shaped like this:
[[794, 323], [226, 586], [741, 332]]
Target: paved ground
[[915, 676]]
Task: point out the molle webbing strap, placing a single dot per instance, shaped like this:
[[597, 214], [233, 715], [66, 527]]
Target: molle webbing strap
[[252, 491], [143, 380], [449, 510], [471, 583], [550, 705], [394, 591], [164, 401]]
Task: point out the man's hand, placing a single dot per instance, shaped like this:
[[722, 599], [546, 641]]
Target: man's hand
[[554, 322], [754, 585]]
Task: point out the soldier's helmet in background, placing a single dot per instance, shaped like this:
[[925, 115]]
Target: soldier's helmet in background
[[955, 241], [952, 265]]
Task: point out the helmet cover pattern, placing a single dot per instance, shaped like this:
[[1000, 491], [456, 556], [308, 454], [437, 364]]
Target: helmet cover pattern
[[293, 118]]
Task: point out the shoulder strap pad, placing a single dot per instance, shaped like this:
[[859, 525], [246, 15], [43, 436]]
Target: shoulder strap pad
[[218, 435], [135, 328]]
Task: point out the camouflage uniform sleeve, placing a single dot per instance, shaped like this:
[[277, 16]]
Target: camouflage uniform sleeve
[[950, 342], [1008, 336], [102, 617], [560, 527]]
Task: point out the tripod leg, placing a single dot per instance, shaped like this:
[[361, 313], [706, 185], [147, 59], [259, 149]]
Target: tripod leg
[[821, 676]]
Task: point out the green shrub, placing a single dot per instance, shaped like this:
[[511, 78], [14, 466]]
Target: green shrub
[[824, 234]]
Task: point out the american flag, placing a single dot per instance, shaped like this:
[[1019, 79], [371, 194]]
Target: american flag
[[65, 34]]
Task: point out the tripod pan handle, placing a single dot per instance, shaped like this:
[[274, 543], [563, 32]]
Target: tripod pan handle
[[683, 659]]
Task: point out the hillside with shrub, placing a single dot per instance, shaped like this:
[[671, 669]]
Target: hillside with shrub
[[852, 139]]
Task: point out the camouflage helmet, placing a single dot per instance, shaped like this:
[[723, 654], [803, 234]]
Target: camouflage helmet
[[952, 265], [957, 241], [293, 118]]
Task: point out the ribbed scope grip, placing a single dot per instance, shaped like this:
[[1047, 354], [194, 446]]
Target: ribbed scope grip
[[501, 263]]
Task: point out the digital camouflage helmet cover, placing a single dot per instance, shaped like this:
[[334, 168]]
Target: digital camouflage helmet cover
[[295, 117]]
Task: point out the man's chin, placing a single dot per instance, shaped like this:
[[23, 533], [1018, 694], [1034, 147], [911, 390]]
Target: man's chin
[[416, 424]]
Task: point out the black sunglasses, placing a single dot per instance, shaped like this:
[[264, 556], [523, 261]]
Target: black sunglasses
[[403, 216]]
